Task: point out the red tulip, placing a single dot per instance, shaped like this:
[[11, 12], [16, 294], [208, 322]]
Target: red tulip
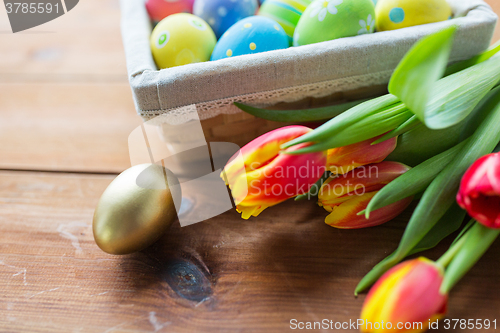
[[405, 298], [479, 191], [347, 195], [266, 176]]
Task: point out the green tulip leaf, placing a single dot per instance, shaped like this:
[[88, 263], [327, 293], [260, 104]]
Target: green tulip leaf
[[413, 181], [383, 266], [440, 194], [367, 128], [455, 97], [402, 129], [421, 143], [454, 216], [305, 115], [346, 119], [448, 224], [420, 69]]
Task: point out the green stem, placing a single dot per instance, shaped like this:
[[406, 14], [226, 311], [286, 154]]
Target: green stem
[[446, 258], [477, 241]]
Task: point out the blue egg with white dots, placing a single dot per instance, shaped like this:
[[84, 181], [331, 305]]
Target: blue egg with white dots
[[222, 14], [251, 35]]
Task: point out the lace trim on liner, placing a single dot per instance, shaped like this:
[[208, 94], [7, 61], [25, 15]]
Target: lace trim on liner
[[210, 109]]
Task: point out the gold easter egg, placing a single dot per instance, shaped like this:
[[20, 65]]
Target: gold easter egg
[[136, 209]]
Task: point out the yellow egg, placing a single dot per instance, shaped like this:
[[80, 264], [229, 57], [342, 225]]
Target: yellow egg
[[136, 209], [181, 39], [397, 14]]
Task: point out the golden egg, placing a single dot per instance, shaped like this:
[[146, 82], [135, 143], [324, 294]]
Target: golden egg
[[136, 209]]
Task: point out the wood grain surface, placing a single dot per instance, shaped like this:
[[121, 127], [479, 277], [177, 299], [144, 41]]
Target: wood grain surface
[[223, 275], [65, 115]]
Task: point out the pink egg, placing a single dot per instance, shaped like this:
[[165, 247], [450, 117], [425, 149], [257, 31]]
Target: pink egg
[[159, 9]]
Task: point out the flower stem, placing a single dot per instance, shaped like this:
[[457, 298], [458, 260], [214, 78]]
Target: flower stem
[[477, 241], [446, 258]]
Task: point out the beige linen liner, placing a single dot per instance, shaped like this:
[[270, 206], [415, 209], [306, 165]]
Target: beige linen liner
[[289, 75]]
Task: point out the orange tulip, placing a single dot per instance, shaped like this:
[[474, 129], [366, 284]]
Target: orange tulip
[[405, 298], [344, 159], [264, 176], [346, 195]]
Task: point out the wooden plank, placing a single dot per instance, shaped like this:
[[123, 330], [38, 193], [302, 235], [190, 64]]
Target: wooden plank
[[75, 127], [223, 275], [85, 42]]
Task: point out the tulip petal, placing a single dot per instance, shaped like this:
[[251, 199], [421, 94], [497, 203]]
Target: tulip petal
[[479, 191], [419, 296], [368, 178], [407, 293], [474, 175], [263, 149], [344, 159], [345, 215], [381, 292], [485, 209], [247, 212], [268, 176], [494, 172]]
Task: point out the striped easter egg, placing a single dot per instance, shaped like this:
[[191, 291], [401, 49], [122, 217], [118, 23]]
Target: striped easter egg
[[286, 12]]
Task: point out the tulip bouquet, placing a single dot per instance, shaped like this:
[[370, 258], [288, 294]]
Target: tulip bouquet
[[416, 291], [429, 139]]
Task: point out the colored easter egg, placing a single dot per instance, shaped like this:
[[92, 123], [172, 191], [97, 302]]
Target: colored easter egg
[[222, 14], [159, 9], [253, 34], [182, 39], [286, 12], [397, 14], [136, 209], [331, 19]]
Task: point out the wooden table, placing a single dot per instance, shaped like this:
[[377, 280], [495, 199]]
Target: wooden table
[[66, 113]]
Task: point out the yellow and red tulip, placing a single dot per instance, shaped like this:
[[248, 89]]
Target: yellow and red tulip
[[347, 195], [408, 296], [344, 159], [266, 175], [479, 191]]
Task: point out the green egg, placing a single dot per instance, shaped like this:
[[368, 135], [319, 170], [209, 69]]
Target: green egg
[[325, 20], [286, 12]]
